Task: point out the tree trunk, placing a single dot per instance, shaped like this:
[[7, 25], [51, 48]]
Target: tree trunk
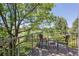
[[12, 46]]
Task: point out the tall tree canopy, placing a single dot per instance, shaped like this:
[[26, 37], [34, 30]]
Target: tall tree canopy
[[75, 26], [61, 24], [60, 28], [12, 16]]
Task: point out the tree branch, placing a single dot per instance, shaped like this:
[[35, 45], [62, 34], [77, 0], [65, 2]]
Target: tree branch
[[5, 23], [19, 22], [11, 23]]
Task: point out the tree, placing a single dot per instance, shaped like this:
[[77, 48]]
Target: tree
[[61, 25], [13, 15], [60, 29], [75, 26], [74, 29]]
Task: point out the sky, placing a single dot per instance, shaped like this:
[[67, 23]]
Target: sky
[[67, 10]]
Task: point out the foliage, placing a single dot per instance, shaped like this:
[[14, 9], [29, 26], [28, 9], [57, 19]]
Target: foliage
[[25, 19]]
